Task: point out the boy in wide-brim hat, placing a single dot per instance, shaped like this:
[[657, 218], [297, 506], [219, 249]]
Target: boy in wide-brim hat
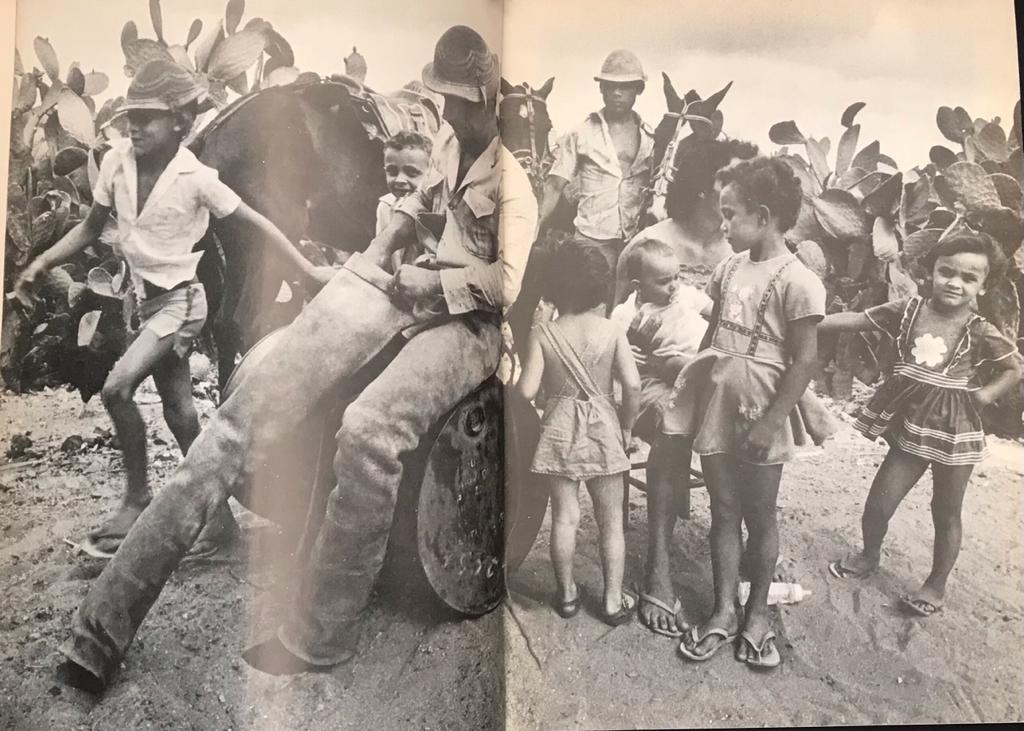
[[162, 197]]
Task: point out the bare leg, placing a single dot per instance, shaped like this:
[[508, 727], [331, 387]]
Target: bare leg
[[667, 468], [606, 494], [897, 475], [947, 502], [722, 474], [174, 384], [139, 361], [759, 494], [565, 519]]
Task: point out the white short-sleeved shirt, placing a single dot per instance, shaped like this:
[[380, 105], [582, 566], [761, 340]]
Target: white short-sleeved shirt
[[157, 242], [385, 210]]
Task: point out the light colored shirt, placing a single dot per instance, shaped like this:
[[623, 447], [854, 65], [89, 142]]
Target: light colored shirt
[[610, 202], [157, 242], [667, 331], [481, 254], [739, 286], [385, 209]]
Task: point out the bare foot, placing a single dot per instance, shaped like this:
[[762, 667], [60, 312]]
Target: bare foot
[[664, 618], [110, 534], [757, 625], [727, 621], [926, 601], [854, 566]]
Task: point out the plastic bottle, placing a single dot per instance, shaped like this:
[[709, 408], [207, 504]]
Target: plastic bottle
[[778, 593]]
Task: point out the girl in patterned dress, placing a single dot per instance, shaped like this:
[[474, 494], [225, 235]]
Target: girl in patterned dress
[[950, 364], [583, 436], [743, 400]]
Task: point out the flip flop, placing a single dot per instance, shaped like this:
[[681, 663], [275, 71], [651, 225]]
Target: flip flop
[[756, 656], [920, 607], [695, 639], [569, 609], [674, 610], [837, 569], [625, 613]]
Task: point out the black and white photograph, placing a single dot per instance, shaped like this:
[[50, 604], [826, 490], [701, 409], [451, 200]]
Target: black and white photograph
[[502, 364]]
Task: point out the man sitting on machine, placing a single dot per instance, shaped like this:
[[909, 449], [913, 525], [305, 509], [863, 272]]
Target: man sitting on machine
[[447, 314]]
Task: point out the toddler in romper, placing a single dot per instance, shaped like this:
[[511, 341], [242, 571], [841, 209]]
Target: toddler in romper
[[743, 400], [578, 356], [950, 364]]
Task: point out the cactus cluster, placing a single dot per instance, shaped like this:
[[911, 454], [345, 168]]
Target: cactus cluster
[[221, 58], [865, 227], [79, 328]]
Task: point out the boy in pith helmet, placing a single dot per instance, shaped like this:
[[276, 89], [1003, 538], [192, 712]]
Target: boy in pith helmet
[[162, 197], [610, 156]]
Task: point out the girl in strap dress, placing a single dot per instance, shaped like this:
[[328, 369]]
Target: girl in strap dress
[[950, 364], [743, 400], [583, 436]]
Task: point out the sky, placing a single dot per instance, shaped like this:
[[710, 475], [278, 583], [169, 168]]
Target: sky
[[805, 60]]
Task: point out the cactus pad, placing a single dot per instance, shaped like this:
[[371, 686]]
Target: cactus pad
[[812, 257], [885, 199], [840, 214], [883, 239], [971, 186], [1009, 190], [919, 243]]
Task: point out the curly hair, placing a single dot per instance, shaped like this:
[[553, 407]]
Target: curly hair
[[406, 140], [696, 162], [769, 182], [970, 242], [579, 278]]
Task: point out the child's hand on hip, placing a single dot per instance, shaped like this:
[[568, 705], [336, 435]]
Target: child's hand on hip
[[980, 398]]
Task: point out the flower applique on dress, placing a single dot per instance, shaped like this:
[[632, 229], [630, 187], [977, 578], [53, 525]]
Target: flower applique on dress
[[736, 299], [929, 350]]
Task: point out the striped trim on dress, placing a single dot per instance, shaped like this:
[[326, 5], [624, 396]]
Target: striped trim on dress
[[944, 458], [923, 375]]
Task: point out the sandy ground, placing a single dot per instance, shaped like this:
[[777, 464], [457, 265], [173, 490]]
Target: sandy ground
[[850, 655]]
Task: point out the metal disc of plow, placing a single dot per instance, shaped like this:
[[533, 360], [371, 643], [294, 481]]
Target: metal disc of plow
[[460, 520]]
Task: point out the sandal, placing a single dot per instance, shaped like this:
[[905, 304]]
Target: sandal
[[674, 610], [837, 569], [90, 545], [918, 606], [571, 608], [696, 639], [625, 613], [757, 656]]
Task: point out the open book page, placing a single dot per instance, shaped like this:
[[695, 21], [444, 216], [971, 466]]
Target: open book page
[[395, 279], [881, 111], [187, 180]]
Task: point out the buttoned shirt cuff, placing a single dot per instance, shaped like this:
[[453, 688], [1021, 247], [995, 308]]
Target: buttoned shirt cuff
[[471, 288]]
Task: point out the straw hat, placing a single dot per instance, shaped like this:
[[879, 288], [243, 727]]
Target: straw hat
[[162, 85]]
